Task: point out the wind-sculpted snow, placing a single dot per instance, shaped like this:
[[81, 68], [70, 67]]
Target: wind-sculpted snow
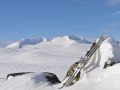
[[55, 58]]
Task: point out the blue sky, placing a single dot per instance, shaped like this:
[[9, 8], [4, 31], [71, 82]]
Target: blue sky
[[37, 18]]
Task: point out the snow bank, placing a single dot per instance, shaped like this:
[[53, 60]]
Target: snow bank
[[52, 58], [94, 76], [107, 79], [107, 52], [110, 51], [31, 81]]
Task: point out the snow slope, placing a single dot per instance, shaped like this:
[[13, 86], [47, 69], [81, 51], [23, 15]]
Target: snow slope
[[4, 43], [30, 81], [65, 41], [68, 40], [55, 58], [23, 42]]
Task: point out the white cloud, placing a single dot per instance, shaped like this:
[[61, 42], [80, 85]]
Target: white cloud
[[112, 2]]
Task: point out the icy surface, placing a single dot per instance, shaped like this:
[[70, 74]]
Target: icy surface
[[56, 58]]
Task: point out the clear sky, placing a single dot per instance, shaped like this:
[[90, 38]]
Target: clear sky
[[36, 18]]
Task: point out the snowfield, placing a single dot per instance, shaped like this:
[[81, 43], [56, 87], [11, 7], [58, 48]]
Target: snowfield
[[56, 56]]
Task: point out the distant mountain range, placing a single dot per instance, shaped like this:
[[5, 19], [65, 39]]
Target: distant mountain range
[[56, 40], [78, 39], [23, 42], [4, 43]]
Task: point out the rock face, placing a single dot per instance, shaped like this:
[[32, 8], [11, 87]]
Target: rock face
[[9, 76], [52, 78], [27, 80]]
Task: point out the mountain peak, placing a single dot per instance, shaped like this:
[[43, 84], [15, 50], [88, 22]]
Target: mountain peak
[[4, 43], [28, 41], [64, 40], [68, 40]]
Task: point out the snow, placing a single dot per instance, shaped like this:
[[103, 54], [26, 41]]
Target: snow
[[68, 40], [4, 43], [64, 40], [56, 56], [26, 82], [110, 50], [23, 42]]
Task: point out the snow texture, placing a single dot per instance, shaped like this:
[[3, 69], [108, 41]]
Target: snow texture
[[54, 57]]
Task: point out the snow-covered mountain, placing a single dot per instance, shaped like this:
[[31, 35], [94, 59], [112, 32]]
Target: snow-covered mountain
[[61, 40], [69, 39], [4, 43], [47, 57], [23, 42], [79, 39]]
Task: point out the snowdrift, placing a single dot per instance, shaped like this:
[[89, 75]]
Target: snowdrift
[[94, 76], [31, 81], [107, 52]]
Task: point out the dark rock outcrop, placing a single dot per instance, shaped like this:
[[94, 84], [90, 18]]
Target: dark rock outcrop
[[17, 74], [52, 78]]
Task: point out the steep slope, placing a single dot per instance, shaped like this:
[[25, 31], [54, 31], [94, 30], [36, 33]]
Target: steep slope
[[95, 76], [107, 52]]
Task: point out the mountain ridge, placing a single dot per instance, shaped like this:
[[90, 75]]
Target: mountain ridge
[[56, 40]]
